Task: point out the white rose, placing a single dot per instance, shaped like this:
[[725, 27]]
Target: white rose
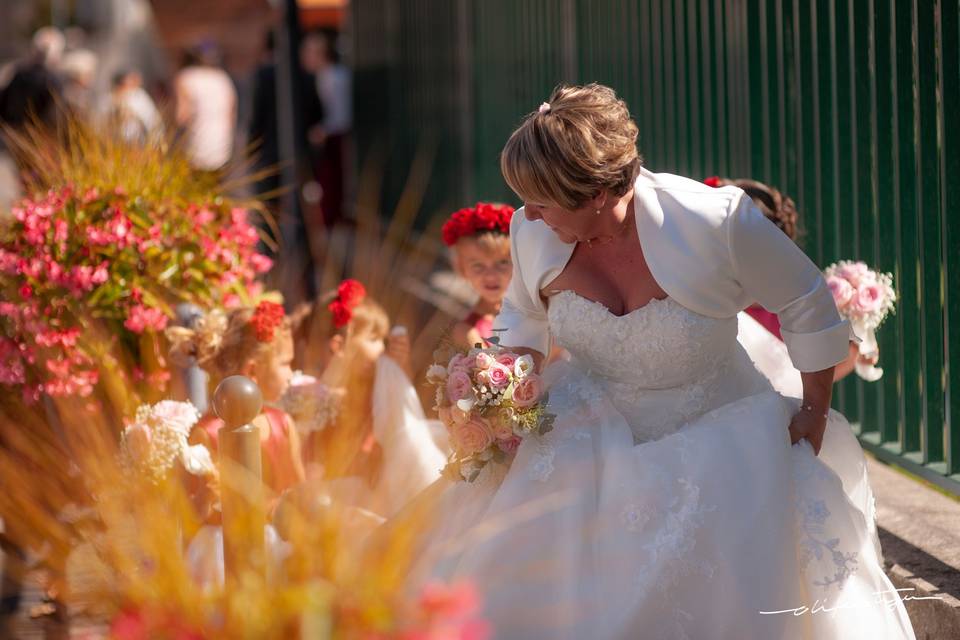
[[196, 460], [523, 366], [436, 374]]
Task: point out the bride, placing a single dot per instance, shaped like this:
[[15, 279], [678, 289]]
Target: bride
[[678, 495]]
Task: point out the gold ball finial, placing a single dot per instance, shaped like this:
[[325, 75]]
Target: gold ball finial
[[237, 401]]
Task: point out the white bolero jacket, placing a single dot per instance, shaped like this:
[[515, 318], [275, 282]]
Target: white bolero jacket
[[711, 250]]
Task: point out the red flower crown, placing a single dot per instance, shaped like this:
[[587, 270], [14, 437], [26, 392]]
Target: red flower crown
[[266, 319], [349, 294], [479, 219], [712, 181]]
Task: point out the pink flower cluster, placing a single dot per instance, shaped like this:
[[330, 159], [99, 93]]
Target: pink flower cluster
[[862, 295], [442, 612], [489, 400], [447, 612], [70, 257]]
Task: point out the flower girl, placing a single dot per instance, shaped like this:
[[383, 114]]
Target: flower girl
[[365, 431], [256, 343], [479, 241]]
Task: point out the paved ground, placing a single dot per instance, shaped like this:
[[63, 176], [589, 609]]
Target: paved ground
[[920, 539], [920, 527]]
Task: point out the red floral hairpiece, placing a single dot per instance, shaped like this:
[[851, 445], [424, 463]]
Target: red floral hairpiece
[[712, 181], [267, 317], [349, 294], [479, 219]]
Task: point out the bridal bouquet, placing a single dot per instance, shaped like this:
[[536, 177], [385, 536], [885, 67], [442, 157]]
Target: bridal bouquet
[[865, 298], [489, 399], [156, 441], [312, 404]]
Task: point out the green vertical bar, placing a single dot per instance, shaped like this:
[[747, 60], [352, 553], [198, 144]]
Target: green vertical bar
[[950, 168], [775, 109], [694, 94], [889, 337], [909, 266], [709, 96], [669, 153], [721, 151], [872, 416], [680, 87], [747, 117], [833, 93], [840, 228], [759, 85], [731, 70], [657, 154], [648, 126], [931, 237], [741, 127], [807, 135], [790, 100], [843, 225]]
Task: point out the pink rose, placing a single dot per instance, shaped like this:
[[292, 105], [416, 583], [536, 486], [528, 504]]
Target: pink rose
[[459, 363], [507, 359], [484, 361], [869, 298], [137, 439], [498, 376], [855, 273], [527, 392], [459, 386], [842, 291], [472, 436], [509, 446], [503, 428]]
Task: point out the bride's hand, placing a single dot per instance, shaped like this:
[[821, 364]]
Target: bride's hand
[[810, 425]]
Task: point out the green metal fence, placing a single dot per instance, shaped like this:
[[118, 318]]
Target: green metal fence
[[850, 106]]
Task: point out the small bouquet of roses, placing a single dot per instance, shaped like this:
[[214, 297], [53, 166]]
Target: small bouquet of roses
[[489, 399], [865, 298], [156, 441], [312, 404]]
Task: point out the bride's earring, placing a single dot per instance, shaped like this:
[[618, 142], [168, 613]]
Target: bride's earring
[[598, 211]]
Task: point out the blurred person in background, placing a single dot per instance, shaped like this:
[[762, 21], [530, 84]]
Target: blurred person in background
[[206, 109], [78, 72], [32, 92], [35, 85], [264, 130], [333, 84], [132, 109]]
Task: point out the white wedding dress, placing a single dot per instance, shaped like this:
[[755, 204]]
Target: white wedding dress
[[668, 502]]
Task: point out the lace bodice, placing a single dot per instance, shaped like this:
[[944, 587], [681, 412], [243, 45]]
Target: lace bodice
[[661, 365]]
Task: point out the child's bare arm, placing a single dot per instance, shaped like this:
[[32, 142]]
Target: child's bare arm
[[295, 451]]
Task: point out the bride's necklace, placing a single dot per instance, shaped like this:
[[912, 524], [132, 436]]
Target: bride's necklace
[[602, 240]]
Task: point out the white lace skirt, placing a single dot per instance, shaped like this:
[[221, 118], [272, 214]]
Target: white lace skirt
[[720, 530]]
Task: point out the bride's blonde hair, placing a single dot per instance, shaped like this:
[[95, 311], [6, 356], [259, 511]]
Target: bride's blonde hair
[[222, 343], [579, 143]]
